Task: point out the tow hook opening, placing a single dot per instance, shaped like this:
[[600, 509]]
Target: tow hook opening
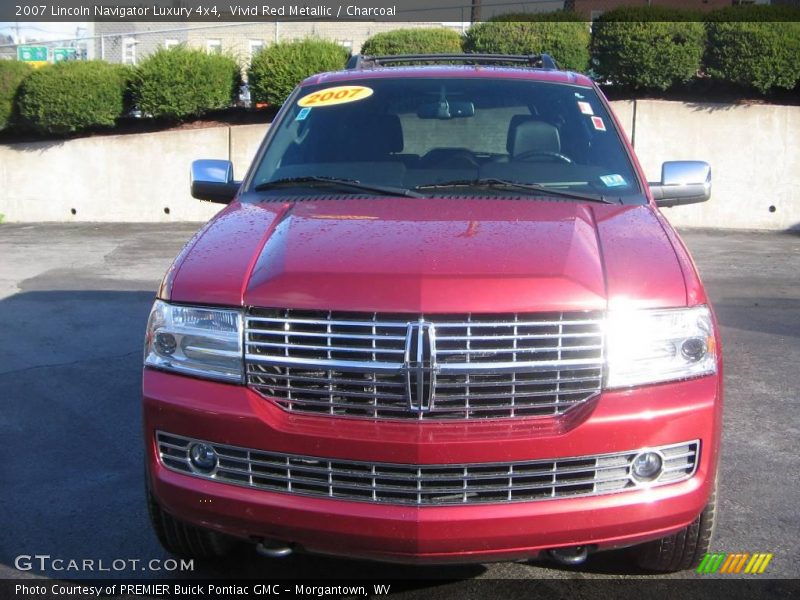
[[572, 555], [273, 549]]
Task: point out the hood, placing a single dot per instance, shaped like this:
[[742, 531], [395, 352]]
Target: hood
[[430, 255]]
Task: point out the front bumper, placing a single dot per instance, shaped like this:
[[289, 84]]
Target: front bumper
[[617, 421]]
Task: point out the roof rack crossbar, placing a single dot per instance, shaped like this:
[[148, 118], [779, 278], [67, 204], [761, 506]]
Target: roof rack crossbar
[[537, 61]]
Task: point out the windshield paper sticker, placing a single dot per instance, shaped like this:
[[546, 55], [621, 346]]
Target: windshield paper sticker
[[613, 180], [335, 95], [301, 116], [586, 108], [598, 123]]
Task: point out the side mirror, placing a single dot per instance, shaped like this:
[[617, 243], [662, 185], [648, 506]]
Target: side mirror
[[212, 180], [682, 182]]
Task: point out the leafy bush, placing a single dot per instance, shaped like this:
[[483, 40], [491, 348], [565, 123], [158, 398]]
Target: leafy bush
[[413, 41], [648, 47], [72, 96], [537, 17], [276, 70], [179, 82], [562, 34], [12, 72], [755, 46]]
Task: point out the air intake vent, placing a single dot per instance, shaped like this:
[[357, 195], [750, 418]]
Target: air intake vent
[[429, 485]]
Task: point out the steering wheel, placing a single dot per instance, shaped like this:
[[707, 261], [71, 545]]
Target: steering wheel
[[533, 153]]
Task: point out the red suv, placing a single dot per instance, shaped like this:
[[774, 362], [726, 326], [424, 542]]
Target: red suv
[[440, 320]]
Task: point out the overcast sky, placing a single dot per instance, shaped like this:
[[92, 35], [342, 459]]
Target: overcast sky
[[41, 31]]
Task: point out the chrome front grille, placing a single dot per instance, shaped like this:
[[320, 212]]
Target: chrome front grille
[[473, 366], [428, 485]]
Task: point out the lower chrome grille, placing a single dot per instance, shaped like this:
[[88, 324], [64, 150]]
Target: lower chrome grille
[[427, 485], [472, 366]]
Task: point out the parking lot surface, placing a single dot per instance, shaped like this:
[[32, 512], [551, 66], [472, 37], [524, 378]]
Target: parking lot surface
[[73, 304]]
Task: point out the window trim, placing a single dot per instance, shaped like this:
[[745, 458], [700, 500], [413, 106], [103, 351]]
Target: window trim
[[213, 46]]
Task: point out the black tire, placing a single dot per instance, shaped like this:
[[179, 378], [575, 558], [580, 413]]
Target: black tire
[[185, 540], [682, 550]]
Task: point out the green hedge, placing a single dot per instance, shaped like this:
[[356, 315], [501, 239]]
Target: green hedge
[[563, 34], [650, 48], [179, 82], [413, 41], [12, 72], [755, 46], [73, 96], [276, 70]]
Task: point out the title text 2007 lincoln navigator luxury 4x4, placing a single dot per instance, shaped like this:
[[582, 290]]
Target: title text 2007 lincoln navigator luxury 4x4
[[441, 320]]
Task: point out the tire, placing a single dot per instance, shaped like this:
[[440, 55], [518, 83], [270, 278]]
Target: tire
[[682, 550], [185, 540]]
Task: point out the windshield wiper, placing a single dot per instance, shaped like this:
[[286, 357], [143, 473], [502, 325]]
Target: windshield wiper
[[493, 182], [353, 184]]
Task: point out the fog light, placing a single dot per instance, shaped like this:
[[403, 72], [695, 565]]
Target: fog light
[[647, 466], [203, 457], [165, 343], [693, 349]]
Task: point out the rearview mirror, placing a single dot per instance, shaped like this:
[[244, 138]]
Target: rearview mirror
[[212, 180], [445, 109], [682, 182]]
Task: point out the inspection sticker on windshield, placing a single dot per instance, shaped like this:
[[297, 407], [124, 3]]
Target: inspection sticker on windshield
[[613, 180], [598, 123], [301, 116], [585, 108], [335, 95]]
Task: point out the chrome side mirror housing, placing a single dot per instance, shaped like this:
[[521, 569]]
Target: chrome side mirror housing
[[212, 180], [682, 182]]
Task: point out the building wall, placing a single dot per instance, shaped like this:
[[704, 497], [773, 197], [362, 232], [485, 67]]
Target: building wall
[[351, 34], [146, 37], [237, 39]]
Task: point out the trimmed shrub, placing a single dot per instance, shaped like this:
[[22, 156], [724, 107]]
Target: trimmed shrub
[[180, 82], [755, 46], [276, 70], [413, 41], [650, 48], [72, 96], [562, 34], [12, 72], [537, 17]]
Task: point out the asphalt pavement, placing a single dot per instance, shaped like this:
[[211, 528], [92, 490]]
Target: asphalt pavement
[[73, 303]]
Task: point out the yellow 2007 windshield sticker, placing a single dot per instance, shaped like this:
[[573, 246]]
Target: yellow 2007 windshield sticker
[[335, 95]]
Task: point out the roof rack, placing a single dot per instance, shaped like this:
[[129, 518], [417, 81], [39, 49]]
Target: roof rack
[[536, 61]]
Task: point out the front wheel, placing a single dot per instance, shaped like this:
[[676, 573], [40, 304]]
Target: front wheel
[[183, 539], [682, 550]]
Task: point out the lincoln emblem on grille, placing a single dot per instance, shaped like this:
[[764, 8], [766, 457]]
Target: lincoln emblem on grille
[[420, 365]]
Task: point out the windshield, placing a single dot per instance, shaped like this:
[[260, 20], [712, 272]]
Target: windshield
[[448, 136]]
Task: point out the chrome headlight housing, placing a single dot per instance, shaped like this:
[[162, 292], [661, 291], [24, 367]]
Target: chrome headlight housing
[[199, 341], [653, 346]]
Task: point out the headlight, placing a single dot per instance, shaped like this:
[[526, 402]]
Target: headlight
[[650, 346], [206, 342]]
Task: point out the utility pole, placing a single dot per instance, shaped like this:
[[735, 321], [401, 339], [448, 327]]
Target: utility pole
[[475, 14]]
